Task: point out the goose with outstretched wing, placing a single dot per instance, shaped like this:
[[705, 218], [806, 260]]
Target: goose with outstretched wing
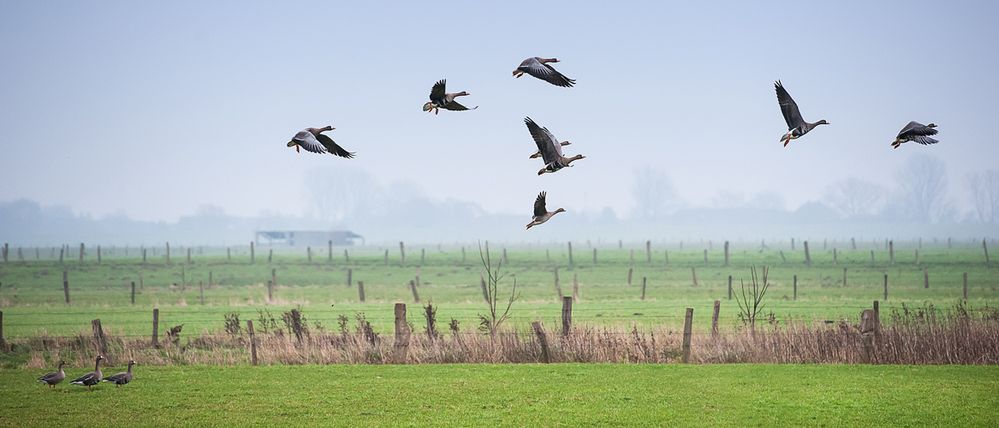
[[313, 140], [550, 148], [916, 132], [539, 68], [441, 99], [541, 213], [796, 125]]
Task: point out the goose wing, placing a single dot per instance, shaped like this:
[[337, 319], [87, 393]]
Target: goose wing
[[117, 378], [924, 140], [437, 92], [915, 129], [456, 106], [788, 107], [307, 141], [333, 148], [49, 377], [550, 150], [545, 72], [539, 205], [85, 379]]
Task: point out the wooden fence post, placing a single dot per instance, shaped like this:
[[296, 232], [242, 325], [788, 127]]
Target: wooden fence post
[[844, 277], [926, 278], [782, 258], [705, 256], [210, 279], [188, 255], [360, 290], [693, 274], [835, 257], [401, 345], [853, 243], [346, 256], [548, 256], [730, 287], [308, 254], [65, 285], [558, 287], [571, 265], [726, 253], [416, 295], [543, 340], [423, 255], [886, 288], [253, 342], [253, 253], [917, 257], [270, 255], [594, 256], [402, 253], [385, 257], [644, 280], [485, 291], [201, 290], [688, 319], [133, 292], [629, 276], [3, 342], [795, 292], [964, 288], [274, 276], [102, 343], [877, 316], [985, 247], [62, 251], [648, 251], [329, 251], [891, 252], [81, 253], [808, 255], [98, 253], [575, 287], [462, 254], [714, 319], [792, 244], [504, 259], [270, 291], [168, 252], [6, 248], [566, 315]]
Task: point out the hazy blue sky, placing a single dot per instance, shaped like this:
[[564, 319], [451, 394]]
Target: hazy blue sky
[[155, 108]]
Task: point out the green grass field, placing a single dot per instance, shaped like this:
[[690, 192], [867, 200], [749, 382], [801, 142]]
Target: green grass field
[[517, 395], [31, 294]]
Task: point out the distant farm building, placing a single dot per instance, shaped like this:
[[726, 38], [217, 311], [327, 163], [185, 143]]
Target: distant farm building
[[302, 238]]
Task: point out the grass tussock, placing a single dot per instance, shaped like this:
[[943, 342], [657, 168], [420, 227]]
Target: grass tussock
[[924, 335]]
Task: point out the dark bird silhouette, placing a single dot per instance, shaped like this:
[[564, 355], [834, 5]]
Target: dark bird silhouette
[[313, 140], [550, 148], [541, 213], [538, 67], [916, 132], [440, 99], [796, 125]]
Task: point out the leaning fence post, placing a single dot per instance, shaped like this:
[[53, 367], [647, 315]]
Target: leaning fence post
[[714, 319], [693, 273], [360, 290], [644, 280], [65, 285], [543, 340], [575, 287], [566, 315], [808, 256], [416, 295], [558, 287], [402, 253], [687, 321], [985, 247], [253, 342], [350, 277], [964, 288], [485, 291], [401, 345], [102, 342], [270, 255]]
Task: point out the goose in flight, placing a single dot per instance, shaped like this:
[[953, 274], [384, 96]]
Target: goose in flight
[[796, 126], [550, 148], [313, 140], [541, 213], [439, 99], [917, 132], [538, 67]]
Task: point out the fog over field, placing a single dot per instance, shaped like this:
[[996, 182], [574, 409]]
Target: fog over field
[[123, 124]]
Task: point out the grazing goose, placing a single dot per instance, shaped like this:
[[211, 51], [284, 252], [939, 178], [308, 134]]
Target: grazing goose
[[796, 126], [538, 67], [313, 140], [917, 132], [52, 379], [551, 150], [541, 213], [439, 99], [92, 378], [537, 154], [122, 378]]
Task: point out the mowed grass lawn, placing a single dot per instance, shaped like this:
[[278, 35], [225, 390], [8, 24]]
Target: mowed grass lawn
[[516, 395]]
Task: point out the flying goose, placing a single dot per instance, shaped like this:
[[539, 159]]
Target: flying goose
[[443, 100], [122, 378], [538, 67], [537, 154], [796, 126], [51, 379], [313, 140], [551, 150], [541, 214], [92, 378], [917, 132]]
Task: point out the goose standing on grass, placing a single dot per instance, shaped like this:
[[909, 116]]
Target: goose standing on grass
[[917, 132], [313, 140], [796, 126], [550, 148], [122, 378], [541, 213], [538, 67], [439, 99], [92, 378], [52, 379]]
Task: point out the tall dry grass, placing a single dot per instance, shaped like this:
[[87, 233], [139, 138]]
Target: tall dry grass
[[911, 336]]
